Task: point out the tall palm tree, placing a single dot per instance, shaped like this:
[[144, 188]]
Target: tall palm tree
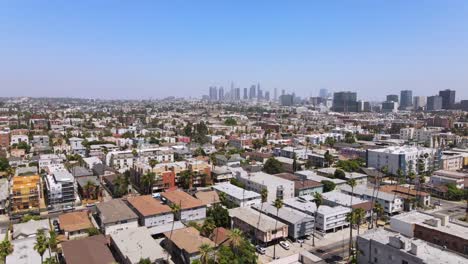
[[278, 204], [411, 178], [175, 209], [41, 243], [6, 248], [205, 253], [352, 184], [351, 219], [147, 181], [52, 242], [318, 200], [236, 238], [264, 195], [360, 215], [379, 212]]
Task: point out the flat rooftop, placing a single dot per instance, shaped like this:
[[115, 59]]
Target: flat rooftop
[[251, 217], [235, 191]]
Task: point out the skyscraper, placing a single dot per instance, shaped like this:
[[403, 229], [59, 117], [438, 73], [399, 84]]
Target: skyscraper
[[392, 98], [323, 93], [221, 93], [345, 102], [275, 95], [406, 99], [448, 98], [246, 96], [434, 103], [213, 93], [419, 102], [267, 96], [252, 92], [237, 94]]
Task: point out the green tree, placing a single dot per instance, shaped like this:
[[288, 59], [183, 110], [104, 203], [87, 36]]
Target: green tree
[[278, 204], [220, 215], [272, 166], [379, 211], [230, 122], [153, 163], [349, 138], [328, 158], [206, 252], [93, 231], [328, 186], [144, 261], [330, 141], [208, 226], [339, 174], [147, 181], [318, 200], [236, 239], [6, 248], [4, 164], [41, 243]]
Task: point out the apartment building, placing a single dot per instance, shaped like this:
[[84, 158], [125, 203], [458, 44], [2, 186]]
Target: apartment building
[[391, 203], [275, 186], [237, 195], [115, 215], [386, 247], [150, 211], [191, 209], [61, 188], [443, 177], [406, 158], [25, 193]]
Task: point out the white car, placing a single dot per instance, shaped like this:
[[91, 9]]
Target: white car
[[284, 244], [260, 250]]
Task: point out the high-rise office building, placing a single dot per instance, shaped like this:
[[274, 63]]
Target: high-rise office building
[[237, 94], [287, 99], [246, 96], [345, 102], [419, 102], [252, 93], [448, 98], [323, 93], [392, 98], [213, 93], [221, 93], [434, 103], [283, 92], [275, 95], [267, 96], [406, 99], [390, 107]]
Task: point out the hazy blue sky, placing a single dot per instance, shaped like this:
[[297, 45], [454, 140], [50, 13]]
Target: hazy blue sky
[[143, 49]]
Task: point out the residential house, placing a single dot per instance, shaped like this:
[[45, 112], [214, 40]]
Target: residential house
[[302, 186], [90, 250], [184, 244], [75, 225], [115, 215], [151, 212], [191, 209], [237, 195], [133, 244]]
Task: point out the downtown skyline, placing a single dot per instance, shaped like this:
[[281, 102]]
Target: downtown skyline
[[155, 50]]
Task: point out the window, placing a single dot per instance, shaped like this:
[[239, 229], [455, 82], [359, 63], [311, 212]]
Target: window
[[376, 260], [404, 262]]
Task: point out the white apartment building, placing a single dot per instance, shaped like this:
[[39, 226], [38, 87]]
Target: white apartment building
[[442, 177], [328, 218], [406, 158], [115, 215], [191, 209], [16, 139], [237, 195], [123, 160], [276, 186], [391, 203]]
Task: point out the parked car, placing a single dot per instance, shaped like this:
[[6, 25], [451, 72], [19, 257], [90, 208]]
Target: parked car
[[284, 244], [300, 241], [260, 249]]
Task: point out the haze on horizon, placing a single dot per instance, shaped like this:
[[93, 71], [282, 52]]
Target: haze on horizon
[[154, 49]]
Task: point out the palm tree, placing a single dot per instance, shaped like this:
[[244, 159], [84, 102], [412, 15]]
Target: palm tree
[[50, 261], [236, 238], [379, 212], [360, 215], [41, 243], [153, 163], [352, 184], [52, 242], [6, 248], [278, 204], [175, 209], [264, 195], [318, 200], [147, 181], [351, 219], [205, 253], [87, 188], [411, 178]]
